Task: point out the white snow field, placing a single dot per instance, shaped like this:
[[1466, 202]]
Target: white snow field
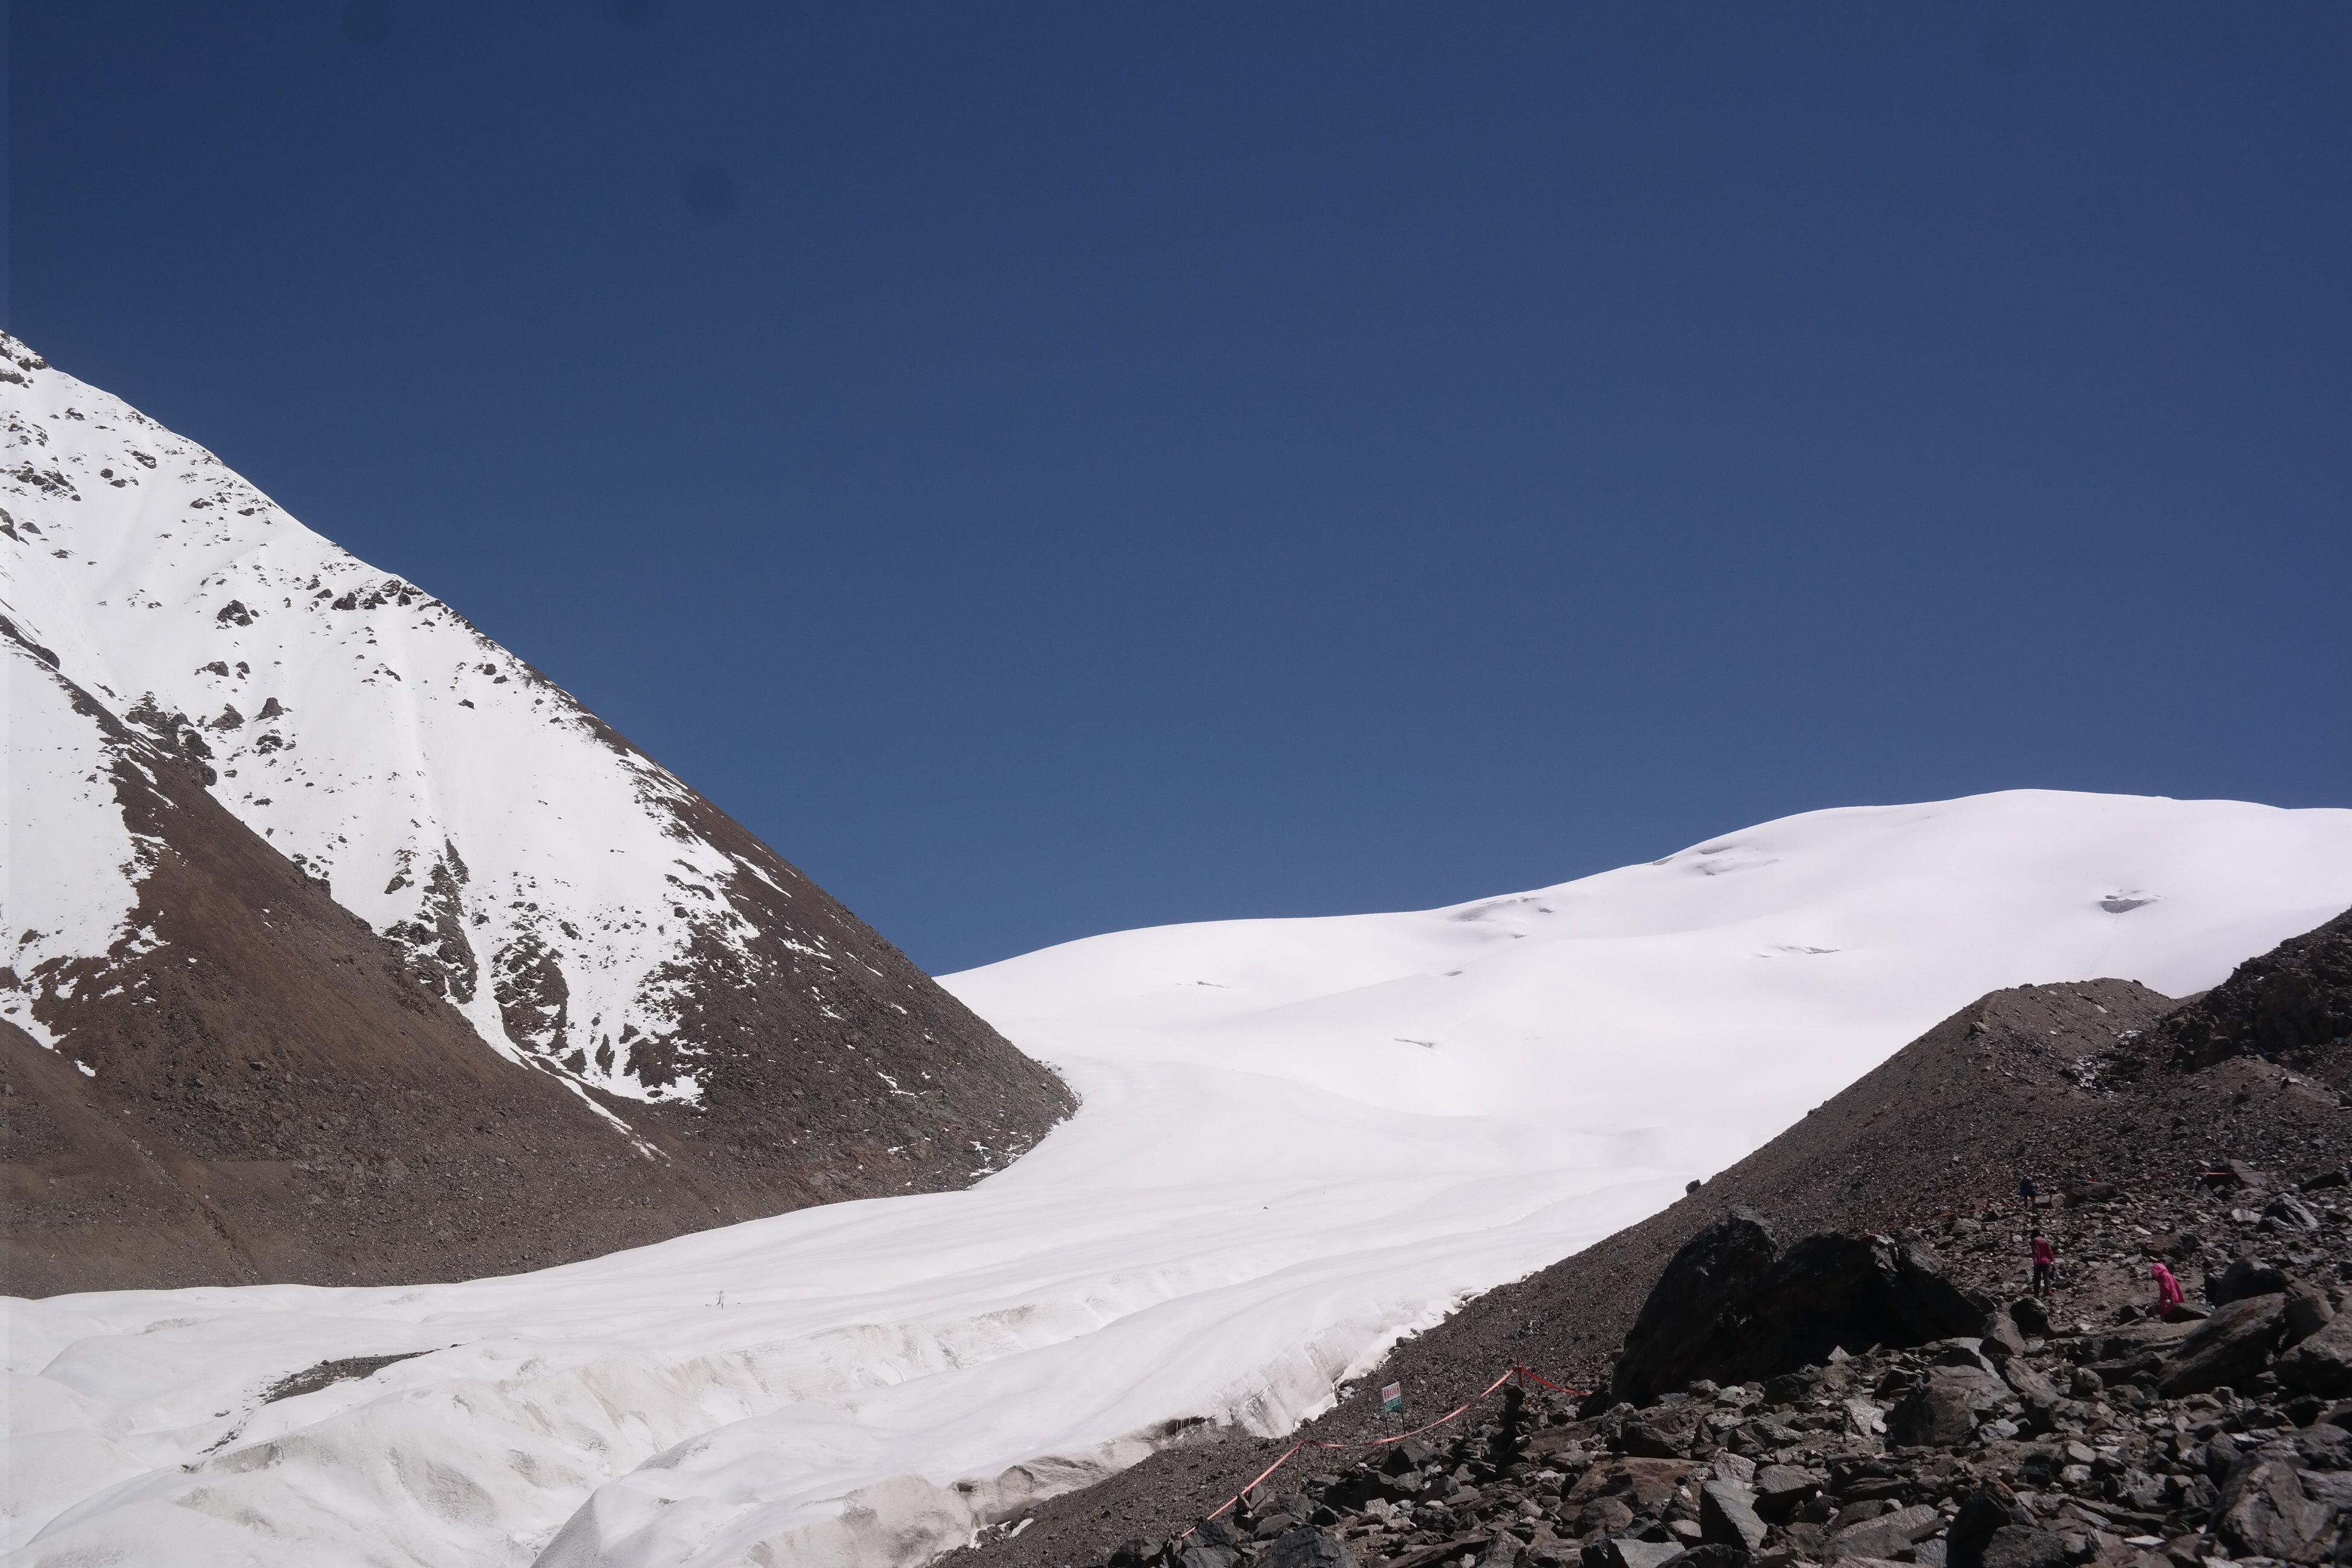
[[1301, 1139]]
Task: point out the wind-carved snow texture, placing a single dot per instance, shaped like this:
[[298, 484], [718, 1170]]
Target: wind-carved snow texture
[[1299, 1140], [541, 875]]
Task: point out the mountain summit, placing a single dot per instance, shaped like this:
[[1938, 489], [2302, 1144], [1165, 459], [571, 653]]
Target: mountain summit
[[344, 946]]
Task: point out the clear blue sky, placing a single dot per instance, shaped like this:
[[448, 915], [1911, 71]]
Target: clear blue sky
[[1056, 468]]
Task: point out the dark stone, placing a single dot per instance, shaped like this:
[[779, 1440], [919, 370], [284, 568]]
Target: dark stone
[[1781, 1490], [2322, 1363], [1710, 1554], [2031, 1316], [1727, 1517], [1889, 1533], [2307, 1312], [2264, 1512], [1408, 1455], [1624, 1551], [1644, 1441], [1945, 1410], [2230, 1347], [2037, 1391], [2293, 1212], [1133, 1552], [1987, 1510], [1731, 1307], [1306, 1547], [2245, 1277], [1203, 1555], [2022, 1546]]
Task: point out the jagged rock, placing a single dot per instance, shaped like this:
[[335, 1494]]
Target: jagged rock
[[2031, 1316], [2245, 1277], [2036, 1391], [1624, 1551], [1966, 1351], [1885, 1535], [1648, 1482], [2022, 1546], [1307, 1547], [1726, 1516], [2230, 1347], [2264, 1512], [1945, 1409], [1730, 1307], [1987, 1508], [2291, 1211], [2321, 1364], [1737, 1468], [2307, 1312], [1781, 1490], [1132, 1552], [1203, 1555], [1645, 1441], [1408, 1455], [1711, 1554]]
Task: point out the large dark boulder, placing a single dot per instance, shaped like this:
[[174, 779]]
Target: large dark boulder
[[2230, 1347], [2022, 1546], [1990, 1508], [2264, 1512], [1733, 1306], [1948, 1408], [2321, 1364], [1726, 1516], [2245, 1277], [1306, 1547]]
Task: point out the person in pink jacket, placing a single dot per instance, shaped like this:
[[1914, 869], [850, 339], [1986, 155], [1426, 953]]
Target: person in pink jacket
[[2046, 1263], [2168, 1289]]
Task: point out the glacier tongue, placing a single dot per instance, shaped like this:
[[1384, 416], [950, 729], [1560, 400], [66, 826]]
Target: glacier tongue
[[1300, 1139]]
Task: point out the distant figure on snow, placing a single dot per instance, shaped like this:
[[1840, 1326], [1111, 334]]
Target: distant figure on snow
[[2045, 1262], [2168, 1290]]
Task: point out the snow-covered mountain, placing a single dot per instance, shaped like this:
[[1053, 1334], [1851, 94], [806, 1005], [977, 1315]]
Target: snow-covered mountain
[[1299, 1140], [522, 873]]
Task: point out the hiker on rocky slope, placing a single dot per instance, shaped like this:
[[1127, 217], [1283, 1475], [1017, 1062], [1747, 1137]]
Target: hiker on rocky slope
[[2168, 1290], [2045, 1262]]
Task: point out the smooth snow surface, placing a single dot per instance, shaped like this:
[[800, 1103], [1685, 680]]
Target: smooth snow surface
[[1300, 1139], [446, 792]]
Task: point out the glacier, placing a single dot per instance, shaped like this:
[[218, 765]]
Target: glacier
[[1299, 1140]]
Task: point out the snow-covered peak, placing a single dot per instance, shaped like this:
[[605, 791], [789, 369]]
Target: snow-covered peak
[[548, 879]]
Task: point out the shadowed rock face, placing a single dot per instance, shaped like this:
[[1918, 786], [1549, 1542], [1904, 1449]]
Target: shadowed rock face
[[2291, 1002], [269, 1090], [1732, 1306]]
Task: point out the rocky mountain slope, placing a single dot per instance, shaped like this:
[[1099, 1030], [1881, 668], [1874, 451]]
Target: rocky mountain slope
[[345, 947], [2116, 1100]]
